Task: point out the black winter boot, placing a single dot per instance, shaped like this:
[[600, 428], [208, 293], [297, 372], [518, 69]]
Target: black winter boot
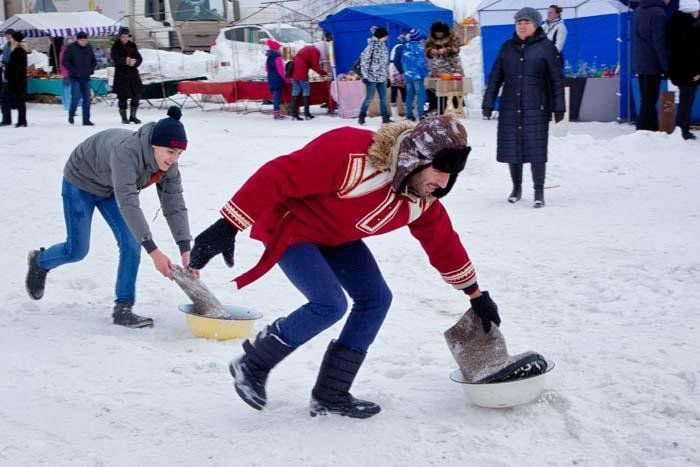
[[361, 119], [539, 198], [123, 316], [516, 176], [132, 116], [295, 108], [250, 371], [331, 394], [386, 119], [307, 113], [36, 276], [122, 114]]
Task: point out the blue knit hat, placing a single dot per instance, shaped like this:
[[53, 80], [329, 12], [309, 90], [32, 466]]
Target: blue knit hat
[[169, 132], [415, 35]]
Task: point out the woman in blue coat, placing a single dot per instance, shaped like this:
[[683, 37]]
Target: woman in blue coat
[[528, 68]]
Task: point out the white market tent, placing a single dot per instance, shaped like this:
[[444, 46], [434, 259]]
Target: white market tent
[[597, 33], [62, 24]]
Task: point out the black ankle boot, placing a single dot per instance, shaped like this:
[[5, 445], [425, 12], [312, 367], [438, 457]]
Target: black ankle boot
[[386, 119], [539, 198], [331, 394], [295, 108], [132, 116], [36, 276], [122, 114], [307, 112], [361, 119], [516, 194], [250, 371], [123, 316]]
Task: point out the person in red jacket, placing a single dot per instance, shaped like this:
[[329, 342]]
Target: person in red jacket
[[308, 58], [312, 208]]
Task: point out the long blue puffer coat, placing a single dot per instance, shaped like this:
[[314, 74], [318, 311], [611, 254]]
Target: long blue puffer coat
[[531, 76]]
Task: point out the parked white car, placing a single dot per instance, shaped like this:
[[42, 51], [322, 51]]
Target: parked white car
[[240, 51]]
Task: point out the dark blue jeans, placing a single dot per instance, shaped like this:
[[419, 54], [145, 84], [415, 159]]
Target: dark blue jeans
[[371, 88], [78, 207], [321, 275], [80, 89], [276, 98]]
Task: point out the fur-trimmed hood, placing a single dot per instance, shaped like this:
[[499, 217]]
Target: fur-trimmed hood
[[404, 147]]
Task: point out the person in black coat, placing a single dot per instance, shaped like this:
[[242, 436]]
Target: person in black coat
[[16, 75], [529, 70], [650, 59], [79, 59], [684, 59], [127, 81]]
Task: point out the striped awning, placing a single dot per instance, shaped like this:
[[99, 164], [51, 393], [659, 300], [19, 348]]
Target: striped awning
[[62, 24]]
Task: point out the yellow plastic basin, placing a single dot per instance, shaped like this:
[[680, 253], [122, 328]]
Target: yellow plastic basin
[[237, 326]]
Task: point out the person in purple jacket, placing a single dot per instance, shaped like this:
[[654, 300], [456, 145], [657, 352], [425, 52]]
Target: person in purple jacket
[[276, 78]]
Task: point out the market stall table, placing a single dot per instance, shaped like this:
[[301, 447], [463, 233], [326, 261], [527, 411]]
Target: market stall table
[[233, 91], [54, 86]]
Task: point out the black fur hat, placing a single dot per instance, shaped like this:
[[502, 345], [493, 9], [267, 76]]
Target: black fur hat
[[440, 26]]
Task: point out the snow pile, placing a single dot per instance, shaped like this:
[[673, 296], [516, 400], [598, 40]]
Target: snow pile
[[176, 65], [238, 60], [39, 60], [472, 63]]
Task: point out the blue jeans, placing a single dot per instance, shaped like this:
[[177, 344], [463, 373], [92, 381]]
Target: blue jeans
[[321, 275], [371, 88], [78, 207], [300, 86], [276, 98], [80, 89], [415, 88]]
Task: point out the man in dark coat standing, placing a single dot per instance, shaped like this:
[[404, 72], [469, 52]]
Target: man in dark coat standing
[[684, 59], [529, 70], [127, 81], [650, 58], [79, 59], [16, 73]]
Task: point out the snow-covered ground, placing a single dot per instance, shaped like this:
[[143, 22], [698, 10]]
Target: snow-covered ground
[[604, 281]]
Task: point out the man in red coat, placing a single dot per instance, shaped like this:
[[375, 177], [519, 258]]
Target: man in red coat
[[311, 209], [308, 58]]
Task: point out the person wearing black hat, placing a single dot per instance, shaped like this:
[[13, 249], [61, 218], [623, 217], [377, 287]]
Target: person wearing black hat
[[374, 63], [79, 59], [127, 81], [16, 75], [108, 171]]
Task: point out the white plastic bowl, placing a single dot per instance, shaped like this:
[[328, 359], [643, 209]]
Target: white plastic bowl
[[503, 395]]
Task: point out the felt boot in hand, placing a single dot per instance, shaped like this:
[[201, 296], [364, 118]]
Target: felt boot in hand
[[483, 356], [122, 114], [36, 276], [250, 371], [132, 116], [307, 113], [331, 394], [123, 316]]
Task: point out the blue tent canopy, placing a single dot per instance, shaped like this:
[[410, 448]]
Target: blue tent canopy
[[350, 27]]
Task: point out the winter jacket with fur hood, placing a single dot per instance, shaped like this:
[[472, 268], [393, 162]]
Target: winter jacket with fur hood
[[374, 61], [349, 184], [120, 163], [447, 62]]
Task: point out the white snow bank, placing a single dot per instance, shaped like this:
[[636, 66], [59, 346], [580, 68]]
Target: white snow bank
[[175, 64]]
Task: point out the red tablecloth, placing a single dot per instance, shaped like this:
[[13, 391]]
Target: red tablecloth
[[233, 91]]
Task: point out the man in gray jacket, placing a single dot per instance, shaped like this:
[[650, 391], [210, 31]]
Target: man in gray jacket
[[107, 171]]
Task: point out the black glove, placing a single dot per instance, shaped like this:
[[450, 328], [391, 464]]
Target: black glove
[[220, 237], [487, 113], [486, 310], [558, 116]]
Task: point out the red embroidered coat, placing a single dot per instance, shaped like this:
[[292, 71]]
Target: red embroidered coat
[[329, 194]]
